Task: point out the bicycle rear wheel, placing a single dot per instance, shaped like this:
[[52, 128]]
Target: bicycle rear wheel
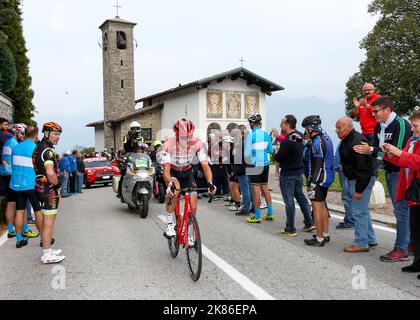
[[193, 251], [173, 241]]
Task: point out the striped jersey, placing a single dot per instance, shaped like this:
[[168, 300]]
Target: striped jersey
[[6, 161], [23, 176]]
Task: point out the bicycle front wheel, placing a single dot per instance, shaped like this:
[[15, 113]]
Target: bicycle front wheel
[[193, 248], [173, 241]]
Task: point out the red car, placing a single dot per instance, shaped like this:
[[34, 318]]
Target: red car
[[99, 171]]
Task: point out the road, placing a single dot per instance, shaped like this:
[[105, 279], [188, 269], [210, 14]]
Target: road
[[113, 254]]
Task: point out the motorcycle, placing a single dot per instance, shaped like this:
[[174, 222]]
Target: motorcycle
[[137, 184], [159, 189]]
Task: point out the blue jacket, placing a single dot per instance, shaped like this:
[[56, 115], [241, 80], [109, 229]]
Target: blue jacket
[[65, 164], [6, 161], [23, 176], [321, 164], [257, 147], [73, 163]]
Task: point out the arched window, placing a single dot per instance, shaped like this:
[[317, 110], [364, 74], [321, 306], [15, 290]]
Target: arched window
[[231, 126], [213, 128], [121, 40], [105, 41]]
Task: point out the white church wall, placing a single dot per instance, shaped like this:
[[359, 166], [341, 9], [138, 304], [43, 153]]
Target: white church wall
[[99, 139], [174, 109]]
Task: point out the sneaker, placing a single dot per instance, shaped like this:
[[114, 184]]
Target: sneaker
[[343, 226], [326, 239], [410, 250], [235, 208], [31, 222], [394, 256], [314, 242], [52, 259], [30, 234], [52, 242], [11, 235], [254, 220], [263, 206], [227, 198], [170, 231], [372, 245], [22, 243], [309, 228], [56, 252], [268, 217], [288, 233], [228, 203], [411, 269], [242, 213]]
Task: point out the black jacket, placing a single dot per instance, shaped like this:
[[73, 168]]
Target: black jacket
[[396, 135], [356, 166], [290, 156], [80, 165]]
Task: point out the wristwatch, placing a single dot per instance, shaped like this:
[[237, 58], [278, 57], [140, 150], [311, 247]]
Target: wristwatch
[[371, 150]]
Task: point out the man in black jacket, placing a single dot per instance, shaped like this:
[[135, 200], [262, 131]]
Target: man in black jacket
[[360, 173], [394, 130], [290, 158]]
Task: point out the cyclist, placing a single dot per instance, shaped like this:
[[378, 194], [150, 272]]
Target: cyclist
[[48, 188], [6, 173], [177, 157], [321, 175], [257, 148], [131, 143]]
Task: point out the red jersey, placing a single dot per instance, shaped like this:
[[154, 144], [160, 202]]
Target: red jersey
[[180, 156], [367, 121]]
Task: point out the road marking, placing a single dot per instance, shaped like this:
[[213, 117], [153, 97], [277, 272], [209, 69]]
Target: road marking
[[341, 218], [3, 239], [234, 274]]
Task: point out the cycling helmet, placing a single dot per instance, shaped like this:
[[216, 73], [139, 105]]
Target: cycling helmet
[[184, 127], [311, 121], [256, 117], [156, 143], [19, 128], [51, 126], [136, 126], [229, 139]]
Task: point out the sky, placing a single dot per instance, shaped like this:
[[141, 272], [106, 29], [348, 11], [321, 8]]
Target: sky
[[309, 47]]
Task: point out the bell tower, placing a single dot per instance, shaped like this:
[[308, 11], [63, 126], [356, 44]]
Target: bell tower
[[118, 74]]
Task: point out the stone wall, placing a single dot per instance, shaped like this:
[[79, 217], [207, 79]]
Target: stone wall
[[6, 107]]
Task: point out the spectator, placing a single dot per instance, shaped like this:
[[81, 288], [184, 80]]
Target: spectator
[[257, 147], [346, 196], [290, 159], [409, 161], [4, 136], [80, 172], [233, 177], [274, 134], [393, 130], [218, 155], [65, 171], [320, 176], [359, 171], [73, 172]]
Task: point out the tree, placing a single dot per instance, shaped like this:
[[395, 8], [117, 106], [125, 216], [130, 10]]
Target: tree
[[7, 62], [21, 94], [392, 55]]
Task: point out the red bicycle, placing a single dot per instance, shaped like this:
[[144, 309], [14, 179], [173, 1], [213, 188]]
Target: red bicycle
[[188, 233]]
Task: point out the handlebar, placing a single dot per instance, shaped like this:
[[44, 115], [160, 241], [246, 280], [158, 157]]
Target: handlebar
[[189, 190]]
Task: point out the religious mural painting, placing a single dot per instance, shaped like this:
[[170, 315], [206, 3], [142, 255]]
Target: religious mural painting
[[252, 104], [233, 105], [214, 105]]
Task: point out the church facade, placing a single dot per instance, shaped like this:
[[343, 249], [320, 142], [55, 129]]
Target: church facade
[[219, 102]]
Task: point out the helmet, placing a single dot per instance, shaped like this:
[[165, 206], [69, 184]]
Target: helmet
[[184, 126], [68, 153], [135, 125], [19, 128], [311, 121], [229, 139], [51, 126], [254, 118], [156, 143]]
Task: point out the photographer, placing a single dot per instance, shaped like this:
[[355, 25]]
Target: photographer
[[290, 158]]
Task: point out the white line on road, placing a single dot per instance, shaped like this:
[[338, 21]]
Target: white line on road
[[341, 218], [3, 239], [234, 274]]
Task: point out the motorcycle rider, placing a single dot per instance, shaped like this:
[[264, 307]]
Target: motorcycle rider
[[131, 143]]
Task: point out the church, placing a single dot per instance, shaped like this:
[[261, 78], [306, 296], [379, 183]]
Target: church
[[218, 102]]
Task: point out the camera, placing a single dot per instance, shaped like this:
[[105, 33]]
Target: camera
[[296, 138]]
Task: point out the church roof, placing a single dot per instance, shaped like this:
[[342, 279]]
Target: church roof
[[117, 20], [266, 86]]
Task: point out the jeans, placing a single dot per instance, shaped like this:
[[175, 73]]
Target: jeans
[[79, 182], [346, 196], [291, 188], [246, 191], [401, 211], [363, 229], [64, 180]]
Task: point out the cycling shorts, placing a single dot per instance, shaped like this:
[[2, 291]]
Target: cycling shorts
[[185, 178]]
